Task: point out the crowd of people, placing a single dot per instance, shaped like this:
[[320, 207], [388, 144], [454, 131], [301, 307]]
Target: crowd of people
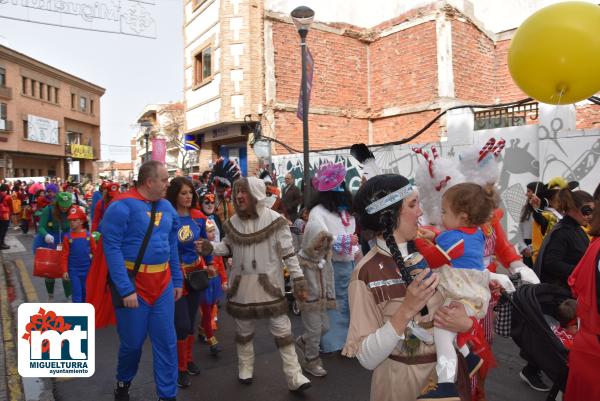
[[401, 275]]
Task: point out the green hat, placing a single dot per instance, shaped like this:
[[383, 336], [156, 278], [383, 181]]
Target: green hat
[[64, 199]]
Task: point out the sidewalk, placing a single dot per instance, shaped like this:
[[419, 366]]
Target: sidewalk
[[16, 288]]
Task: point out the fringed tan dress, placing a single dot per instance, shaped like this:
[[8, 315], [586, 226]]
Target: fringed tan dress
[[376, 291]]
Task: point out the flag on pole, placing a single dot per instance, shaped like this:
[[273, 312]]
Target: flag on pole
[[193, 142], [159, 149], [310, 67]]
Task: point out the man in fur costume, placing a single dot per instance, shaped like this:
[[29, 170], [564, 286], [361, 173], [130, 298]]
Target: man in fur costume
[[260, 242], [315, 261]]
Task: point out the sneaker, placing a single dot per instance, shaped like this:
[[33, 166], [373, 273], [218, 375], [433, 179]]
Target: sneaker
[[441, 391], [214, 346], [247, 381], [315, 368], [215, 349], [193, 369], [4, 247], [183, 379], [533, 377], [122, 391], [474, 362]]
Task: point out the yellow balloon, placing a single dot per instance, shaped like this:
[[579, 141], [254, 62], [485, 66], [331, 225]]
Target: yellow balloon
[[554, 56]]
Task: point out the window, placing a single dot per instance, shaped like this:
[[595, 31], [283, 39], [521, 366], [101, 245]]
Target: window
[[24, 88], [82, 103], [33, 87], [56, 96], [91, 106], [32, 172], [25, 129], [40, 172], [3, 122], [73, 100], [202, 66], [2, 77], [49, 93], [73, 138], [41, 92]]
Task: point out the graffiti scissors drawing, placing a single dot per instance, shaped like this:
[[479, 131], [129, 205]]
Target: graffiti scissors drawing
[[556, 125]]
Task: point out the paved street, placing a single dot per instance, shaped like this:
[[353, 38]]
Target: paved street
[[347, 380]]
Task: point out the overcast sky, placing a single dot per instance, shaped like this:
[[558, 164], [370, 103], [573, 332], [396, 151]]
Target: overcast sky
[[134, 71]]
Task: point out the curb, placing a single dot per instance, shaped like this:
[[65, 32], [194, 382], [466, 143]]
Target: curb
[[28, 388], [14, 384]]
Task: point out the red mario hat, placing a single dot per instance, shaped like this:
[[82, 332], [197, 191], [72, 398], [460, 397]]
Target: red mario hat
[[76, 212]]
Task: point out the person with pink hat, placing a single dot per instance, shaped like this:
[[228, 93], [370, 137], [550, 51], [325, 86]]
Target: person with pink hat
[[331, 209]]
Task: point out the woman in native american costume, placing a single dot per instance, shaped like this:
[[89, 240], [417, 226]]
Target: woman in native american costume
[[390, 331]]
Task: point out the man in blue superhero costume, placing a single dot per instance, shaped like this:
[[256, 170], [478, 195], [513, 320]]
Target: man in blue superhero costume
[[149, 303]]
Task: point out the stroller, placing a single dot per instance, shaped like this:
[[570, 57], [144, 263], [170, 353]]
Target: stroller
[[531, 332]]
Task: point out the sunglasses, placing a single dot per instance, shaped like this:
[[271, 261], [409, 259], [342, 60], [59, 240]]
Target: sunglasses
[[206, 202], [586, 210]]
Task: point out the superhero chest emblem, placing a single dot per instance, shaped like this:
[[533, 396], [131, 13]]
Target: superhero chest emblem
[[185, 234], [157, 218]]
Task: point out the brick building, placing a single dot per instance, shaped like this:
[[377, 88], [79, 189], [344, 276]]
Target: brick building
[[163, 121], [121, 172], [49, 119], [377, 78]]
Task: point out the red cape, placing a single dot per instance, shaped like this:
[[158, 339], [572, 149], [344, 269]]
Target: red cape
[[98, 292], [583, 285]]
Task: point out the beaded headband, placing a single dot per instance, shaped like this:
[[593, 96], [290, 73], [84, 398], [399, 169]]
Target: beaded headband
[[389, 199]]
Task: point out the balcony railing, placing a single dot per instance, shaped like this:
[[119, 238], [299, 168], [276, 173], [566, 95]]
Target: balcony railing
[[5, 92]]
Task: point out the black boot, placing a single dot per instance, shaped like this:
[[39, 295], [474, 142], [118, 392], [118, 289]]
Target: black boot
[[183, 379], [193, 369], [122, 391]]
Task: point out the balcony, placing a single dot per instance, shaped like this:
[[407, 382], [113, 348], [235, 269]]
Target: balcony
[[6, 126], [5, 92]]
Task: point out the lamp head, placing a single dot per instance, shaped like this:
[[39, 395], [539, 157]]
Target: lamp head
[[302, 17]]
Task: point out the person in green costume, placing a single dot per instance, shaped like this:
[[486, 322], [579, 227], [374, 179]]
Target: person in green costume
[[52, 228]]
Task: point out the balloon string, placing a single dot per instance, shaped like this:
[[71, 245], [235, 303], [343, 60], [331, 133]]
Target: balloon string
[[543, 159]]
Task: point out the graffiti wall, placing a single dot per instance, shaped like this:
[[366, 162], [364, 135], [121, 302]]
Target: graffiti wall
[[533, 152]]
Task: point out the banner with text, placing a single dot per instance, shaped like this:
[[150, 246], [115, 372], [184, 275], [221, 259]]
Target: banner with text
[[41, 129], [82, 151]]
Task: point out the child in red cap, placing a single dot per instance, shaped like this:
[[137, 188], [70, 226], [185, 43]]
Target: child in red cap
[[78, 248]]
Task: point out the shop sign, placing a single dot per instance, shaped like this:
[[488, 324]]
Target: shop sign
[[82, 151]]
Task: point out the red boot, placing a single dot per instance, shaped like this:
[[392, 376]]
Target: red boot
[[183, 380], [191, 367]]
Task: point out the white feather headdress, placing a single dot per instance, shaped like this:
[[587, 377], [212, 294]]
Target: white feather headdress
[[433, 178]]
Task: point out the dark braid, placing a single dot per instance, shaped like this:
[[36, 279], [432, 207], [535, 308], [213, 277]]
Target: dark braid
[[387, 219]]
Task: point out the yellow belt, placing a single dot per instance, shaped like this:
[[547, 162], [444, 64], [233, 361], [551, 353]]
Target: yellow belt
[[188, 267], [148, 268]]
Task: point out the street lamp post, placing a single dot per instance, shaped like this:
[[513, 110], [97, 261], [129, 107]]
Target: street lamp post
[[147, 127], [302, 17]]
